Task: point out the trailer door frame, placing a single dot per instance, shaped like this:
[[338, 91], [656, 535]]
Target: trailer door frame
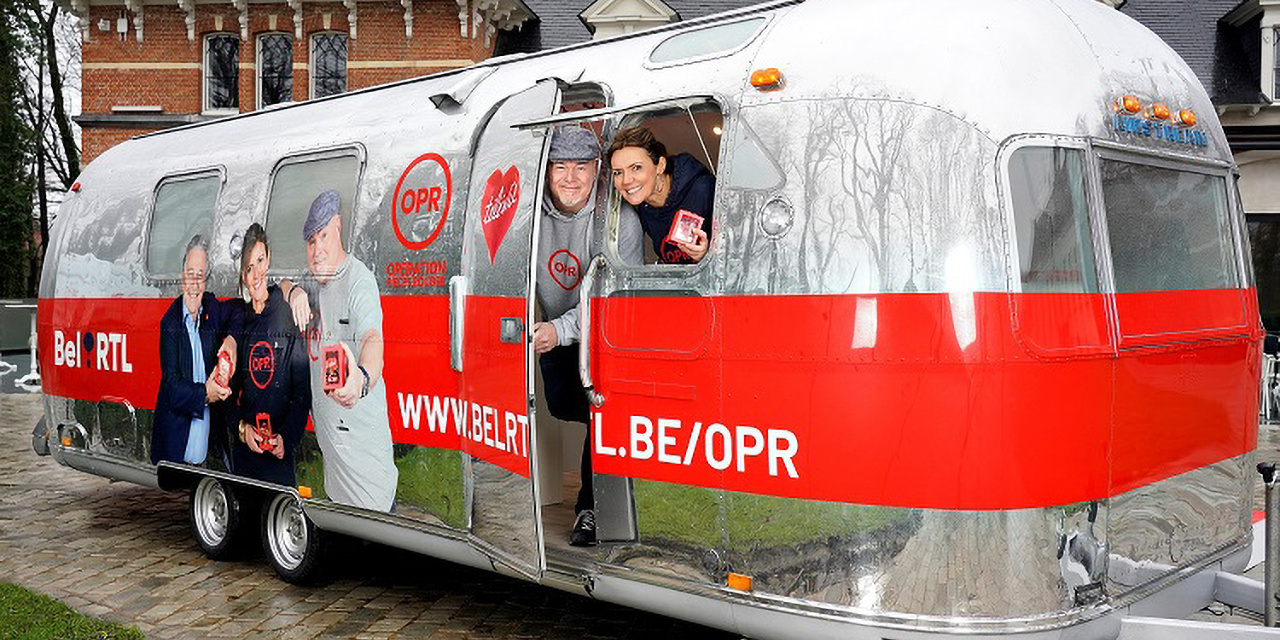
[[500, 465]]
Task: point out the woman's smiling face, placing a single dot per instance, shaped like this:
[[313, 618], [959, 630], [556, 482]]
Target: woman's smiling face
[[255, 272], [634, 174]]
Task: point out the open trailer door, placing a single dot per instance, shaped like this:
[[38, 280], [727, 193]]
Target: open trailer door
[[502, 207]]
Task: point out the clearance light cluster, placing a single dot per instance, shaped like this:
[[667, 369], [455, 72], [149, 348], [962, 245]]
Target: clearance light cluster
[[767, 79], [1158, 111], [1156, 121]]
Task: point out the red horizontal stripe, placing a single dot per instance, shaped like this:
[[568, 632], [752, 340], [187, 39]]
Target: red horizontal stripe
[[985, 401]]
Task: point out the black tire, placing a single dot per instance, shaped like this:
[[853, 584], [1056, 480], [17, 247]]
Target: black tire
[[216, 518], [292, 543]]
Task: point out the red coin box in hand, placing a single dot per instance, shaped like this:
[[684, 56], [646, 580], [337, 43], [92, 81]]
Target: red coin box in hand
[[683, 226], [335, 367], [224, 369], [266, 436]]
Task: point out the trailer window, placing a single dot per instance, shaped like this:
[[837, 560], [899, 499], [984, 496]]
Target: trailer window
[[702, 44], [294, 186], [183, 207], [1169, 229], [691, 134], [1051, 219]]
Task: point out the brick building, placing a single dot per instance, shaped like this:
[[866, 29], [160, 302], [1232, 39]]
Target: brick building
[[152, 64]]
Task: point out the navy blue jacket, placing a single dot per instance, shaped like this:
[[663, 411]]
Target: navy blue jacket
[[273, 376], [693, 189], [181, 399]]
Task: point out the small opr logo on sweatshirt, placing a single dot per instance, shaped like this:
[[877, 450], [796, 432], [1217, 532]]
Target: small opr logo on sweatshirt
[[565, 269]]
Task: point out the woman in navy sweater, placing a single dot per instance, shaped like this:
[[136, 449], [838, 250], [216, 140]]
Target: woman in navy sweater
[[272, 374], [659, 188]]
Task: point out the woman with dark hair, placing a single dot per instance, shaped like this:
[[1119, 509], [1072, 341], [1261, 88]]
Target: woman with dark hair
[[272, 375], [660, 188]]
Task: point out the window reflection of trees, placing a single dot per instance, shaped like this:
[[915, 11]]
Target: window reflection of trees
[[329, 59], [222, 72], [883, 193], [275, 82]]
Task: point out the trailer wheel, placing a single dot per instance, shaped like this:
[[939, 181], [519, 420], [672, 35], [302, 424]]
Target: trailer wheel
[[291, 542], [215, 518]]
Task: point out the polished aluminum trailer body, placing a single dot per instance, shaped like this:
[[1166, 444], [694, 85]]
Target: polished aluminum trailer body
[[954, 454]]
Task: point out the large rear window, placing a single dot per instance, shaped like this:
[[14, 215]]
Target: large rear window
[[1051, 215], [1169, 230]]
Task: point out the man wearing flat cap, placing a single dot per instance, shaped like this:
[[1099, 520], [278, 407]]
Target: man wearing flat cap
[[351, 421], [564, 251]]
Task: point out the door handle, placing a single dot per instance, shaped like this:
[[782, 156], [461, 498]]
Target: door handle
[[457, 305], [511, 330], [584, 340]]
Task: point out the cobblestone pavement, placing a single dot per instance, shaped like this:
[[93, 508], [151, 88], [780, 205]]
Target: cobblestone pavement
[[125, 553]]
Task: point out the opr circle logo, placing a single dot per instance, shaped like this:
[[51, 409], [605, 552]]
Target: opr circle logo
[[565, 269], [262, 364], [420, 204]]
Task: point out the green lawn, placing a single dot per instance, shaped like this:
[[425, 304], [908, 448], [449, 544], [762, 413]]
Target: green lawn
[[431, 479], [30, 616], [693, 515]]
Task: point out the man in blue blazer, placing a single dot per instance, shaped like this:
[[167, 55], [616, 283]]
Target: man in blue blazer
[[192, 332]]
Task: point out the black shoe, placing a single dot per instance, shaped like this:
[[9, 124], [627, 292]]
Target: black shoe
[[584, 529]]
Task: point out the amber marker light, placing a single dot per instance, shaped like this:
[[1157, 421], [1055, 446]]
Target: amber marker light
[[1187, 117], [66, 441], [1160, 111], [304, 492], [739, 582], [1131, 104], [766, 79]]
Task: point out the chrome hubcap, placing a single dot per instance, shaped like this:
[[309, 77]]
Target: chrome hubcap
[[211, 511], [287, 531]]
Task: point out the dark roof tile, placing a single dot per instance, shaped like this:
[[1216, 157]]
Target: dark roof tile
[[1225, 58]]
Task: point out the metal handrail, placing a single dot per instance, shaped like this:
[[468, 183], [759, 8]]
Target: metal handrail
[[584, 341]]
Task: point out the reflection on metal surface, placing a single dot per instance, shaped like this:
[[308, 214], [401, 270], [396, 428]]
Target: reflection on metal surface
[[1177, 522], [502, 516], [859, 227], [776, 217], [871, 561], [865, 323], [430, 487]]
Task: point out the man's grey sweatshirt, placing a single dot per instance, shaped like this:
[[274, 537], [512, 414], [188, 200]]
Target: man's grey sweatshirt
[[564, 252]]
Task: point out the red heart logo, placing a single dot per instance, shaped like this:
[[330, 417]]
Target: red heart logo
[[498, 207]]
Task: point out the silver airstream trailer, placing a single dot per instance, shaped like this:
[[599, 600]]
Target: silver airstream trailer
[[974, 350]]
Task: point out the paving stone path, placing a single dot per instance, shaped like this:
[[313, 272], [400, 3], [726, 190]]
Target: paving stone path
[[125, 553]]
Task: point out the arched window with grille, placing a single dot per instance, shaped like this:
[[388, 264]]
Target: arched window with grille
[[275, 69], [221, 73], [328, 64]]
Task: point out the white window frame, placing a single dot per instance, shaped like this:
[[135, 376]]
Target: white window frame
[[311, 61], [257, 66], [204, 75]]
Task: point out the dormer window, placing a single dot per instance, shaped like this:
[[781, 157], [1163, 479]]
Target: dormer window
[[608, 18], [1260, 17]]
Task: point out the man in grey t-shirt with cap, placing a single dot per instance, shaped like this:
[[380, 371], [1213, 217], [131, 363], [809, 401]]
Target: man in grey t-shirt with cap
[[564, 251], [351, 421]]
